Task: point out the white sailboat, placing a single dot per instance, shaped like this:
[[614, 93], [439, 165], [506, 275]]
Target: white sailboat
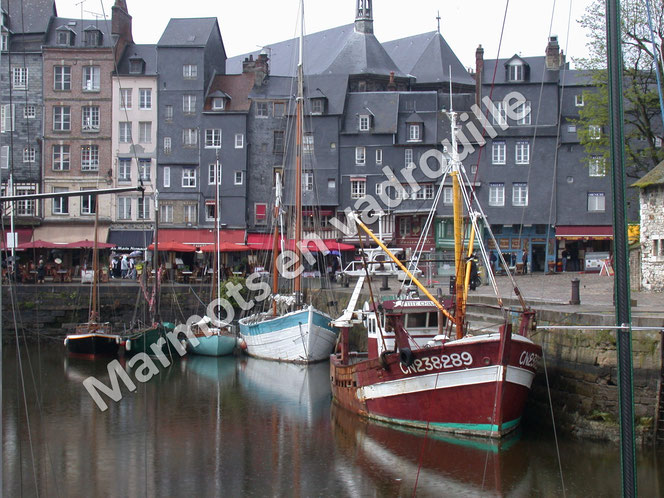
[[291, 331]]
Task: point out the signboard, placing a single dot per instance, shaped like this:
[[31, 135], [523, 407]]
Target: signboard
[[491, 244], [593, 260], [504, 243], [516, 244], [12, 240]]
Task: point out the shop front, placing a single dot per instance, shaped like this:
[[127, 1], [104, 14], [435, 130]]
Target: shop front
[[583, 247]]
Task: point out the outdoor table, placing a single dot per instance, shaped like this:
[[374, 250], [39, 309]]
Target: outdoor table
[[186, 275]]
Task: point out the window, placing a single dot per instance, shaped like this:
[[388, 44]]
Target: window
[[404, 226], [91, 78], [239, 178], [145, 132], [168, 113], [125, 98], [61, 78], [360, 156], [61, 158], [167, 145], [365, 120], [212, 179], [658, 248], [496, 194], [190, 213], [213, 138], [189, 104], [596, 201], [308, 143], [189, 137], [317, 106], [379, 188], [217, 104], [26, 207], [90, 158], [308, 182], [578, 100], [124, 207], [188, 177], [523, 114], [6, 118], [522, 152], [261, 109], [29, 154], [358, 188], [166, 213], [498, 114], [379, 156], [143, 211], [61, 118], [124, 170], [571, 129], [425, 192], [92, 38], [88, 204], [260, 214], [516, 72], [20, 78], [90, 118], [210, 210], [136, 66], [498, 153], [4, 156], [519, 194], [65, 36], [278, 142], [414, 133], [447, 195], [144, 167], [30, 111], [145, 99], [125, 132], [279, 109], [595, 132], [60, 204], [190, 71], [4, 42], [331, 183], [408, 158], [596, 166], [167, 176], [239, 140]]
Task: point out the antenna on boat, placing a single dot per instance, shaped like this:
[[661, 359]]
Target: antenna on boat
[[451, 105]]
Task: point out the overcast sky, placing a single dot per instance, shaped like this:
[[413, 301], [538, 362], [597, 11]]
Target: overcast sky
[[249, 24]]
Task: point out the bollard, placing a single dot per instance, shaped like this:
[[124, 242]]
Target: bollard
[[386, 285], [576, 299]]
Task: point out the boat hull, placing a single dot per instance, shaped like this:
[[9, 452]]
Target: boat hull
[[214, 345], [303, 336], [93, 344], [460, 387], [147, 341]]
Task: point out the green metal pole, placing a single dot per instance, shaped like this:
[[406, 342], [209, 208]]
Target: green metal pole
[[621, 283]]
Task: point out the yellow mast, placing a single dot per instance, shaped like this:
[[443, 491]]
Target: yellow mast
[[460, 314], [298, 157]]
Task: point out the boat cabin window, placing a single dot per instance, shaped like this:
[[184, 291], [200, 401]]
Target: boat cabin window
[[433, 319], [416, 320]]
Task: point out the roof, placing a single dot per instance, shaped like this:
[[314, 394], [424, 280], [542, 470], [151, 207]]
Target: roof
[[29, 16], [383, 106], [536, 64], [146, 52], [654, 177], [194, 32], [427, 56], [236, 86], [79, 26], [576, 77]]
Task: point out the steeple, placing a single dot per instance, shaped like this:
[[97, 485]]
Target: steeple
[[364, 17]]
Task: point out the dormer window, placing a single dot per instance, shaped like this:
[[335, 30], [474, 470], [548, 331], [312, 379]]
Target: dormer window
[[516, 69], [65, 36], [136, 66], [415, 132], [365, 122], [93, 37], [516, 72], [317, 106], [218, 104], [4, 41]]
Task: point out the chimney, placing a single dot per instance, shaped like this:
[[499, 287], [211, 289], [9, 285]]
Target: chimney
[[479, 70], [260, 67], [554, 56], [121, 27], [391, 85]]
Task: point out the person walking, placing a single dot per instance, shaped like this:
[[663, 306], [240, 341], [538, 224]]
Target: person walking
[[41, 272], [524, 260], [565, 258], [493, 259], [124, 267]]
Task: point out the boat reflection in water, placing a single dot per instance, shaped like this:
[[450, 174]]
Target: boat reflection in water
[[220, 371], [407, 462], [299, 391]]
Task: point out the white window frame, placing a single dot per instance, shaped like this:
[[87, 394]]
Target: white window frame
[[189, 71], [308, 143], [358, 188], [145, 132], [91, 79], [498, 152], [190, 213], [20, 78], [524, 112], [596, 202], [594, 132], [64, 118], [61, 78], [30, 111], [168, 113], [189, 137], [90, 118], [498, 113], [571, 129], [447, 195], [29, 154], [145, 99], [496, 194], [408, 157], [238, 178], [188, 177], [522, 152], [88, 204], [578, 100], [405, 226], [262, 110], [239, 141], [189, 103], [211, 173], [124, 132], [166, 175], [414, 132], [167, 145], [364, 123], [379, 188], [4, 157], [124, 207], [124, 170], [143, 208], [60, 205], [4, 42], [166, 213], [308, 181], [213, 138], [92, 162], [317, 106], [360, 156], [61, 157], [596, 166], [520, 194], [144, 169], [218, 103], [379, 156], [125, 99], [7, 120], [516, 71]]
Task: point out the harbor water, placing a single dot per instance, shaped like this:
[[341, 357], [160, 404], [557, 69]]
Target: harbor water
[[236, 426]]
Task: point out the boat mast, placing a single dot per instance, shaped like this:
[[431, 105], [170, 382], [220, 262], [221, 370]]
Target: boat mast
[[155, 257], [217, 278], [455, 172], [298, 158], [95, 255]]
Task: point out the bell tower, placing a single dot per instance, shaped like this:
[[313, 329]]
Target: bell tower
[[364, 17]]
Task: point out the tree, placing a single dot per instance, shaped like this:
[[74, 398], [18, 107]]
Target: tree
[[643, 121]]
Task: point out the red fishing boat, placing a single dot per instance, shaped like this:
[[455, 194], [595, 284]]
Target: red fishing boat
[[460, 380]]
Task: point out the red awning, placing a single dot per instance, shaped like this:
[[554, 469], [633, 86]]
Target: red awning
[[172, 246], [24, 235], [199, 236], [38, 244], [264, 242], [590, 232], [87, 244], [226, 247]]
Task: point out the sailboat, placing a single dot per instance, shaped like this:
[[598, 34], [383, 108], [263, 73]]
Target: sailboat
[[211, 340], [94, 337], [303, 335], [461, 381]]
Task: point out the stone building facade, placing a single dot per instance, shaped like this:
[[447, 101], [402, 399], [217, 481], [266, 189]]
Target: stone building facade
[[651, 203]]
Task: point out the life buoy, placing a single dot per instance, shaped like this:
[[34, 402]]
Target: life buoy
[[406, 357]]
